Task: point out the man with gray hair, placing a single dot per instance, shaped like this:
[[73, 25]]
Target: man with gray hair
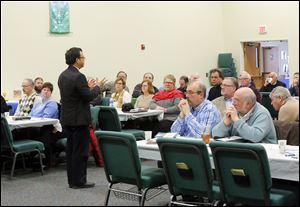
[[247, 119], [245, 81], [196, 112], [283, 102], [29, 99]]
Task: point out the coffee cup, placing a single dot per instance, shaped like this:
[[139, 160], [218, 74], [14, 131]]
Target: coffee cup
[[148, 135]]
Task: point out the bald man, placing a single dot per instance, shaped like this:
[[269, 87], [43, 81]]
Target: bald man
[[271, 82], [246, 118]]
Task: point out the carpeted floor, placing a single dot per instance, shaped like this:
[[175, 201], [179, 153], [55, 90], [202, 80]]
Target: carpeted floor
[[29, 188]]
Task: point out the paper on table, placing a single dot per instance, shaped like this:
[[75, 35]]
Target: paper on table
[[227, 139]]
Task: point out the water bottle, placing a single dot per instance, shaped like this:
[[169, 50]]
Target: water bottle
[[111, 102]]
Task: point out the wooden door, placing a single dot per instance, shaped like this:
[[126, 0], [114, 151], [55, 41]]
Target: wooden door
[[252, 62]]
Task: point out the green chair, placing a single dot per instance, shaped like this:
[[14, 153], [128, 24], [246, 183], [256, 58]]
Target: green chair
[[11, 149], [105, 101], [244, 175], [266, 102], [109, 120], [187, 167], [122, 165], [133, 100], [226, 65]]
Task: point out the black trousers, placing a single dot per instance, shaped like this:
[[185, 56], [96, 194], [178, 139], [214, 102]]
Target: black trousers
[[77, 153]]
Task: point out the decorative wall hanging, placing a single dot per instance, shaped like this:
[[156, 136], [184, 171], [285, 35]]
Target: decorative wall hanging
[[59, 17]]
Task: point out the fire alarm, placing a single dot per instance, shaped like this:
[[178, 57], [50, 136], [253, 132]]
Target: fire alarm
[[143, 47]]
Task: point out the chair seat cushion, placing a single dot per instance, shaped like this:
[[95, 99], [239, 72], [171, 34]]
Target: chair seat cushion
[[138, 134], [280, 197], [152, 177], [27, 145], [61, 143]]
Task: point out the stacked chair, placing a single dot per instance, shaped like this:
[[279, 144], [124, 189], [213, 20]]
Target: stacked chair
[[226, 65]]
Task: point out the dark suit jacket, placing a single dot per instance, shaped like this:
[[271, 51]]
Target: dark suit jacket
[[75, 98], [270, 87]]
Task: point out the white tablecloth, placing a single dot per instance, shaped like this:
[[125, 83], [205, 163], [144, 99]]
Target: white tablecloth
[[282, 166], [34, 122], [125, 116]]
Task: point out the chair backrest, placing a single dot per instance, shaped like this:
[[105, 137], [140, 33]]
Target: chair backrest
[[6, 135], [120, 156], [243, 172], [94, 114], [266, 102], [187, 166], [105, 101], [109, 119], [288, 130]]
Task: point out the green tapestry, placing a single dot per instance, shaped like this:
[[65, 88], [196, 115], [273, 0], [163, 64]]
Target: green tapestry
[[59, 17]]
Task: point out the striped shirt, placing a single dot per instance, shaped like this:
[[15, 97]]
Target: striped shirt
[[194, 123]]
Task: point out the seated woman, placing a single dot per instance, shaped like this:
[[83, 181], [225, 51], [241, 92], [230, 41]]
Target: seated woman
[[147, 90], [48, 108], [120, 96], [166, 100]]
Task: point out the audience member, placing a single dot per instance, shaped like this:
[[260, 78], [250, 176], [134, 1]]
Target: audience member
[[228, 87], [215, 78], [247, 118], [194, 77], [246, 81], [109, 88], [4, 107], [38, 84], [294, 89], [271, 82], [93, 82], [75, 117], [166, 100], [183, 83], [29, 99], [47, 108], [196, 113], [143, 101], [138, 88], [283, 102], [120, 96]]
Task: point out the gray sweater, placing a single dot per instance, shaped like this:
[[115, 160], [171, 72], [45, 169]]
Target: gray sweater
[[257, 127], [170, 104]]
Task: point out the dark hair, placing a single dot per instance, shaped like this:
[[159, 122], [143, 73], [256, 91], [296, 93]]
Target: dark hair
[[185, 78], [38, 78], [122, 72], [48, 85], [216, 71], [72, 54]]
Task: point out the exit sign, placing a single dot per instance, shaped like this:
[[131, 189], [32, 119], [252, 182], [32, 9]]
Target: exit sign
[[262, 29]]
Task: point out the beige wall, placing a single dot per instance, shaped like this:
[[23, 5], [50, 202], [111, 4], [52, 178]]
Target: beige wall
[[180, 37]]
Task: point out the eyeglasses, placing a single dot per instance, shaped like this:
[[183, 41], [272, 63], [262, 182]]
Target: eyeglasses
[[192, 92], [23, 86], [243, 78], [224, 85], [168, 83]]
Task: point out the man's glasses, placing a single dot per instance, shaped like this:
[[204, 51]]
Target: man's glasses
[[192, 92], [224, 85]]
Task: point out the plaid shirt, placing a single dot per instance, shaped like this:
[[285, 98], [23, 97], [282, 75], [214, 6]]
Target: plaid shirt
[[193, 125], [26, 104]]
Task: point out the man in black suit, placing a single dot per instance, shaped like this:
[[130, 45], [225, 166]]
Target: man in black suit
[[76, 93]]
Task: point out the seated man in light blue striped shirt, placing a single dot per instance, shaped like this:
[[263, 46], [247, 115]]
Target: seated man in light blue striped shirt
[[196, 113]]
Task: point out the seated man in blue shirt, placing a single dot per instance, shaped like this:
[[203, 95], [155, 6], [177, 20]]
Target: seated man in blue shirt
[[246, 118], [196, 113]]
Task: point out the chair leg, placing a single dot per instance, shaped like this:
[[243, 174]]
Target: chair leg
[[144, 193], [108, 194], [41, 162], [23, 160], [13, 166]]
